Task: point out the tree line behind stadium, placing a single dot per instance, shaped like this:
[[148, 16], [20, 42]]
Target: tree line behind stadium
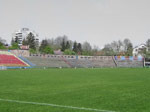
[[63, 45]]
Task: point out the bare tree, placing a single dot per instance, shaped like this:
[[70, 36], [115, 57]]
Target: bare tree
[[128, 47], [86, 46], [108, 50], [58, 41], [116, 46], [95, 50], [148, 44]]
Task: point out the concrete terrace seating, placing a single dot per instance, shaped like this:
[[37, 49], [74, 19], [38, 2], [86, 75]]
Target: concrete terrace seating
[[98, 61], [71, 61], [81, 61], [129, 63], [91, 63], [47, 61], [9, 60], [103, 63]]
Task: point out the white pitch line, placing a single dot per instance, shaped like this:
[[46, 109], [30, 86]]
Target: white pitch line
[[55, 105]]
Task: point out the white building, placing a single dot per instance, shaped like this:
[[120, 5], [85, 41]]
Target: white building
[[138, 50], [22, 33]]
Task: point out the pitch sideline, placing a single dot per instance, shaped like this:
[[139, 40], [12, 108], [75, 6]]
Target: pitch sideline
[[55, 105]]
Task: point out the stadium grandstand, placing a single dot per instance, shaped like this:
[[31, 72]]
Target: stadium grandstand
[[10, 60], [85, 61], [22, 58]]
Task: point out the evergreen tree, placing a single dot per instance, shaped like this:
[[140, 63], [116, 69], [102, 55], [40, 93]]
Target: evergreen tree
[[24, 42], [63, 45], [79, 47], [44, 43], [75, 48], [16, 40], [67, 45], [31, 41], [48, 50], [129, 49]]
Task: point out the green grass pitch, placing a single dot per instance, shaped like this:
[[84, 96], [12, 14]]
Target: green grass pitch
[[118, 89]]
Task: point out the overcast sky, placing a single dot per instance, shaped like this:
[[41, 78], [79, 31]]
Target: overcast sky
[[96, 21]]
